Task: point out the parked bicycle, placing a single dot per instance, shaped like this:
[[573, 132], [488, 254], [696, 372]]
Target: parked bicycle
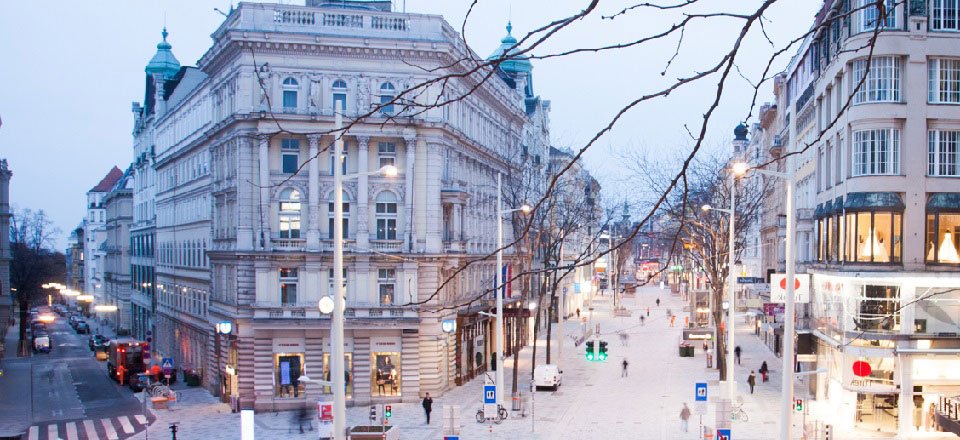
[[737, 413], [501, 415]]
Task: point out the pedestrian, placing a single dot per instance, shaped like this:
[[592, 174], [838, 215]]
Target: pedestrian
[[705, 346], [673, 319], [752, 380], [641, 320], [764, 370], [686, 321], [578, 313], [624, 372], [302, 416], [648, 311], [427, 406], [684, 417], [736, 352], [658, 302]]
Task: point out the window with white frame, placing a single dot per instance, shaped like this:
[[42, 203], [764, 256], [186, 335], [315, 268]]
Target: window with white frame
[[876, 152], [944, 80], [290, 213], [330, 280], [290, 87], [346, 217], [387, 153], [290, 155], [289, 278], [882, 83], [340, 95], [386, 216], [870, 15], [945, 15], [942, 152], [387, 93], [343, 160], [387, 280]]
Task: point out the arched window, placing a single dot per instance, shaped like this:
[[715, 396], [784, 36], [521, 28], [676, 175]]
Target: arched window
[[387, 93], [340, 95], [290, 213], [386, 216], [290, 86], [346, 216]]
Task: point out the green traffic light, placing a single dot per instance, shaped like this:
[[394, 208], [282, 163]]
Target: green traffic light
[[589, 356]]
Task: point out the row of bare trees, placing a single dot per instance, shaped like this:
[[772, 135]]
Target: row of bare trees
[[34, 262]]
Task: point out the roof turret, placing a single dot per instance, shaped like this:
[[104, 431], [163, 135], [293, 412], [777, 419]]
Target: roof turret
[[163, 62], [740, 133], [515, 64]]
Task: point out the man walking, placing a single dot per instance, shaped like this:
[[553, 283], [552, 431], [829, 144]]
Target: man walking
[[752, 380], [624, 372], [658, 302], [684, 417], [736, 352], [427, 406]]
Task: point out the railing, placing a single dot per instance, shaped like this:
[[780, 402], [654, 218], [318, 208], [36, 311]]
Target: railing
[[288, 244], [388, 23], [343, 20], [387, 245]]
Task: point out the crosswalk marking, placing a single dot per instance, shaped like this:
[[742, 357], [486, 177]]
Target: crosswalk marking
[[34, 433], [141, 419], [53, 432], [125, 423], [108, 427], [90, 429], [72, 431]]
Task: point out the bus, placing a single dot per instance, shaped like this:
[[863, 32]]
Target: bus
[[125, 360]]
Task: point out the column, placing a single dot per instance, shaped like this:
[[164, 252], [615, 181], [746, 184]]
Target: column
[[264, 214], [313, 196], [363, 234], [457, 225], [410, 233], [432, 235]]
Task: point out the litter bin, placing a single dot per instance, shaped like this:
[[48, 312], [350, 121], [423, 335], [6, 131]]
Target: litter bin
[[517, 401]]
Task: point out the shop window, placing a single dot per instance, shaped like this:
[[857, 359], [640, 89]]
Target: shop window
[[937, 311], [386, 374], [347, 373], [879, 309], [942, 237], [387, 279], [874, 236], [289, 279], [288, 367]]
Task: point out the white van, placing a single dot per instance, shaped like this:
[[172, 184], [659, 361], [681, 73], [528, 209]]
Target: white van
[[547, 375]]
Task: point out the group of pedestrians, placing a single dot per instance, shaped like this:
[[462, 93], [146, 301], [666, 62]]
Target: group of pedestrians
[[752, 378]]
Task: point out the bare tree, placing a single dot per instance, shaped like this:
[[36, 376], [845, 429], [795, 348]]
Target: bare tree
[[34, 261]]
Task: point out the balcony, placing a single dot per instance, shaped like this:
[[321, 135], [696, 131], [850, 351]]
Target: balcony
[[454, 246], [289, 244], [277, 310], [387, 246]]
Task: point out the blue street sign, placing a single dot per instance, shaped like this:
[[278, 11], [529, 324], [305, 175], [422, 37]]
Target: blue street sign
[[167, 365], [701, 395], [489, 394], [451, 437], [751, 280], [723, 434]]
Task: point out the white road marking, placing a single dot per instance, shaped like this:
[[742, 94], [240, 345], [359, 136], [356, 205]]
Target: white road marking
[[34, 433], [72, 431], [91, 429], [108, 427], [125, 423], [141, 419], [53, 431]]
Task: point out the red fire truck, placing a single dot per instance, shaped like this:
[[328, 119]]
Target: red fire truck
[[125, 360]]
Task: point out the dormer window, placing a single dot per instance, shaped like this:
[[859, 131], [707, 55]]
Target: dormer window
[[290, 87]]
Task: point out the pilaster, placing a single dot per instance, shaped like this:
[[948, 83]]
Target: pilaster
[[410, 145], [363, 233], [313, 195], [264, 182]]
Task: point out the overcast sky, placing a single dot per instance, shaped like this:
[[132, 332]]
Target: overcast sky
[[71, 70]]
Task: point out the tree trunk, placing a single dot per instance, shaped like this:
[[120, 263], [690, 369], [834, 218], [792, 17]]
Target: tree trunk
[[23, 348], [720, 356]]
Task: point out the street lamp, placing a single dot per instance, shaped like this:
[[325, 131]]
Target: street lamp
[[496, 283], [736, 170], [337, 366]]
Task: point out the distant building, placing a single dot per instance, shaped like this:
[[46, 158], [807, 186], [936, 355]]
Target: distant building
[[94, 234], [74, 258], [6, 300], [118, 205]]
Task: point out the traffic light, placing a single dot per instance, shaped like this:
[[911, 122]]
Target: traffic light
[[387, 411], [590, 353], [828, 432], [603, 351], [798, 405], [373, 413]]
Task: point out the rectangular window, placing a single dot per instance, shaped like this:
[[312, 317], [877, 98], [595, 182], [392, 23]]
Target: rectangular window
[[288, 286], [943, 237], [387, 153], [876, 152], [882, 82], [346, 221], [870, 14], [330, 279], [386, 374], [944, 15], [290, 152], [943, 81], [343, 159], [386, 221], [387, 278], [387, 109], [340, 101], [289, 99], [288, 367], [942, 152]]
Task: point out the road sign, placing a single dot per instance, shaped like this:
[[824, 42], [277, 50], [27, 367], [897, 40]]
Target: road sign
[[723, 434], [701, 395], [489, 394], [801, 288], [751, 280], [167, 365], [451, 437]]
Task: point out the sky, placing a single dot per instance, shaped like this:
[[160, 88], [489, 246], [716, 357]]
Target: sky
[[72, 69]]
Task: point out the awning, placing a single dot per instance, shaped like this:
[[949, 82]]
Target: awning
[[837, 206], [865, 201], [828, 208], [944, 202], [819, 212]]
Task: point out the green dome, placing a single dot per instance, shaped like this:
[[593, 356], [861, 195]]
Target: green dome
[[163, 62], [512, 65]]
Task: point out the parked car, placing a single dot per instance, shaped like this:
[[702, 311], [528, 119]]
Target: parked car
[[97, 341], [82, 327], [547, 376], [73, 319], [41, 343]]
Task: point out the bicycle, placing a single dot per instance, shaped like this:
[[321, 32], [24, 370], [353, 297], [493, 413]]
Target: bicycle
[[738, 414], [502, 414]]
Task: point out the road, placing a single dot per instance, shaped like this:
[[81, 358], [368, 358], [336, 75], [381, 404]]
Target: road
[[65, 394]]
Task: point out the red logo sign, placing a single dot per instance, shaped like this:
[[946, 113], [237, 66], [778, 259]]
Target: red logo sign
[[796, 283], [326, 411], [862, 369]]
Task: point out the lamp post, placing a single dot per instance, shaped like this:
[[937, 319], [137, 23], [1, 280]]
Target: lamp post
[[496, 283], [337, 366], [736, 170]]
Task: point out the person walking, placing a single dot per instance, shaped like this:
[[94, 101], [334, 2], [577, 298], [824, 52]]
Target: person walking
[[736, 353], [623, 373], [578, 313], [658, 302], [764, 370], [648, 311], [642, 320], [752, 380], [427, 406], [684, 417]]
